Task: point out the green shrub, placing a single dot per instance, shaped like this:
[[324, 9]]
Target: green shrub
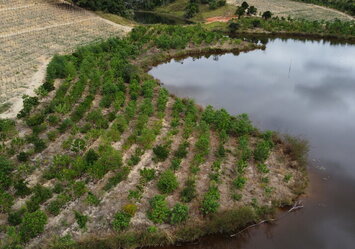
[[81, 219], [65, 125], [189, 191], [56, 205], [239, 182], [147, 174], [262, 167], [77, 145], [181, 152], [32, 225], [6, 202], [22, 156], [159, 211], [92, 199], [35, 119], [15, 218], [91, 156], [21, 188], [117, 178], [58, 188], [79, 188], [262, 151], [161, 152], [7, 129], [167, 182], [210, 202], [121, 221], [175, 164], [109, 159], [40, 195], [6, 169], [179, 213]]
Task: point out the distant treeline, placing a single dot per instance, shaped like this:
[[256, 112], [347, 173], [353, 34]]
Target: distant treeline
[[347, 6], [120, 7]]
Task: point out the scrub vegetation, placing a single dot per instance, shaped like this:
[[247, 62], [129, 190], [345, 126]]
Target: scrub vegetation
[[103, 155]]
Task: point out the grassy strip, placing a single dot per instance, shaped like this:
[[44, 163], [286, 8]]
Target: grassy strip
[[337, 29], [223, 222]]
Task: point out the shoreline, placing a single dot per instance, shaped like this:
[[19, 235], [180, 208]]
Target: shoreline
[[222, 222]]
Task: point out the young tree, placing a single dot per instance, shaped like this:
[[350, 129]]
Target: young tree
[[32, 225], [267, 15], [240, 11], [252, 10], [245, 5], [167, 182], [191, 9]]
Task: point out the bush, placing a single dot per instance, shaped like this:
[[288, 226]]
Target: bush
[[6, 202], [262, 167], [159, 211], [167, 182], [56, 205], [21, 188], [6, 169], [267, 15], [81, 219], [32, 225], [91, 157], [161, 152], [210, 202], [79, 188], [262, 151], [181, 152], [239, 182], [179, 213], [110, 159], [147, 174], [15, 218], [189, 191], [117, 178], [92, 199], [121, 221], [22, 157], [175, 164], [40, 195], [35, 119]]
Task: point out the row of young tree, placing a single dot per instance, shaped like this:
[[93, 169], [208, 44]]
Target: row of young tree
[[347, 6]]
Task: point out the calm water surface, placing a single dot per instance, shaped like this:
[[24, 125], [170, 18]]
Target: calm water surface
[[302, 88]]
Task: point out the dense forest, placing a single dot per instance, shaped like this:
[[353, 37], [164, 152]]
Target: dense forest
[[120, 7], [347, 6]]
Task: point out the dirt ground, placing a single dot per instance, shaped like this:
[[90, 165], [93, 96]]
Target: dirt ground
[[26, 48]]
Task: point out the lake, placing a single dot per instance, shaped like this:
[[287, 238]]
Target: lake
[[303, 88]]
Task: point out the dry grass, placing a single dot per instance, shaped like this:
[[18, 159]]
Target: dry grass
[[31, 32], [287, 8]]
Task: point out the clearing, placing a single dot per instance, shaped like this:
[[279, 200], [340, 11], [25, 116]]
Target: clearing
[[31, 32]]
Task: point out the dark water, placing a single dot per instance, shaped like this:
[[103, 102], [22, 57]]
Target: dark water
[[303, 88], [153, 18]]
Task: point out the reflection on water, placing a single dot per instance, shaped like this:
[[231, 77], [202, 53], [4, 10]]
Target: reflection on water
[[305, 89]]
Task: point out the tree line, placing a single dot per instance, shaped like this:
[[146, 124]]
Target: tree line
[[120, 7]]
